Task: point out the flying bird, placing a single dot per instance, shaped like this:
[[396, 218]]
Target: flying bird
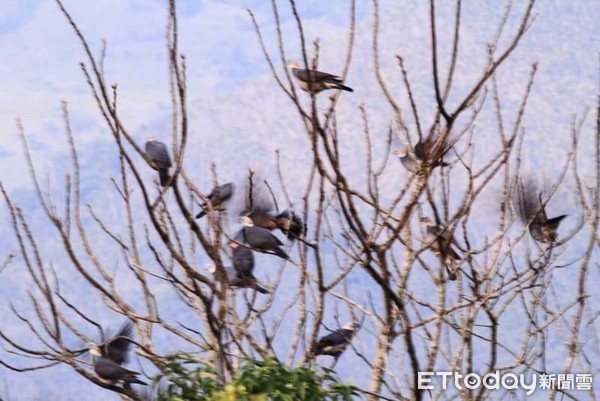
[[335, 343], [241, 274], [313, 81], [258, 238], [159, 159], [217, 198], [112, 353], [532, 211], [441, 245]]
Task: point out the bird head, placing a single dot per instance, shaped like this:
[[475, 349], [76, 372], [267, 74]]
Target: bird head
[[151, 138], [353, 326], [246, 221], [401, 153], [293, 64], [94, 350], [211, 268]]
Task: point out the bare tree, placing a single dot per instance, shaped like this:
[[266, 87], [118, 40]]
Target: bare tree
[[441, 296]]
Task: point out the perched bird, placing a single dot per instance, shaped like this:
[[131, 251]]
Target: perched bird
[[313, 81], [112, 353], [264, 219], [335, 343], [217, 198], [441, 245], [291, 224], [533, 211], [159, 159], [422, 157], [241, 274], [409, 161], [258, 238]]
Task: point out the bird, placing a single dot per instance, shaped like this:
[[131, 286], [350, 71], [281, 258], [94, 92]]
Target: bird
[[241, 274], [112, 353], [441, 245], [264, 219], [159, 159], [532, 211], [421, 157], [313, 81], [217, 198], [336, 342], [291, 224], [409, 161], [258, 238]]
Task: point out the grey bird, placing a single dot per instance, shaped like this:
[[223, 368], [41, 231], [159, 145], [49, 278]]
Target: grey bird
[[291, 224], [217, 198], [335, 343], [312, 81], [409, 161], [441, 246], [258, 238], [159, 159], [112, 353], [533, 211], [241, 274]]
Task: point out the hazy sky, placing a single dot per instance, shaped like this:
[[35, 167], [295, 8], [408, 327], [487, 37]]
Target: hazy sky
[[238, 117]]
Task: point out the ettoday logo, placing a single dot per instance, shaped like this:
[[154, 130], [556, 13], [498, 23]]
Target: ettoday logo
[[507, 381]]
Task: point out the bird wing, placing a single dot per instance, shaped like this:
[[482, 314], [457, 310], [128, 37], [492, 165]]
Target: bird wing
[[117, 349], [110, 370], [158, 154], [258, 237], [243, 260], [530, 203], [421, 151], [264, 220], [221, 193], [336, 338], [315, 76]]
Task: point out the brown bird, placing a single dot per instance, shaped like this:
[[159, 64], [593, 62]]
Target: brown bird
[[441, 245], [312, 81], [533, 211], [422, 157]]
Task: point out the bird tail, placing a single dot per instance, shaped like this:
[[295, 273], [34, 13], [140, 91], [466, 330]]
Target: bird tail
[[134, 380], [451, 273], [343, 87], [281, 253], [555, 221], [163, 175], [201, 214], [261, 289]]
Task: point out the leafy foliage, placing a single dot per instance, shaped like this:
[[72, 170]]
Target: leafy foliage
[[256, 381]]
